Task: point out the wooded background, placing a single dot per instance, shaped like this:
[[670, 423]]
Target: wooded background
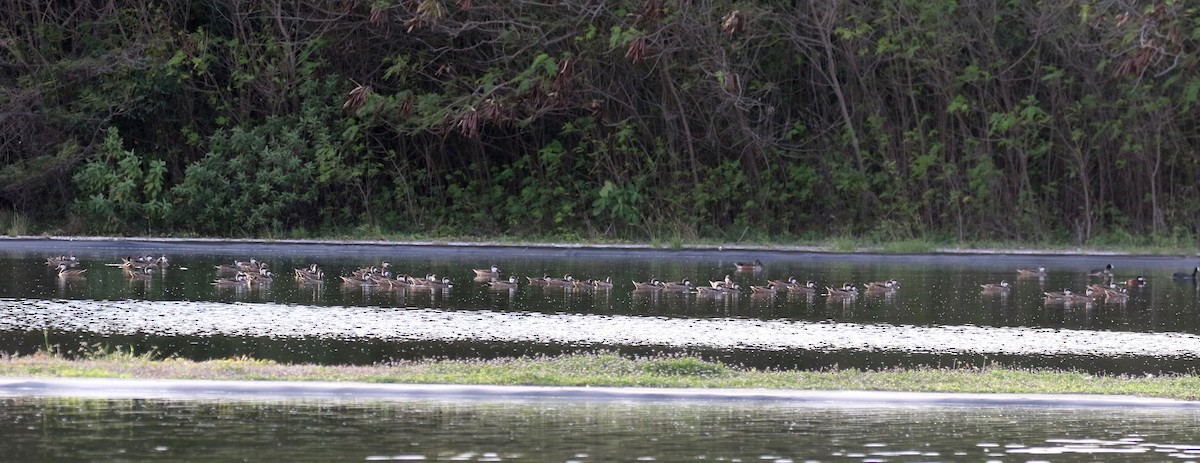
[[972, 120]]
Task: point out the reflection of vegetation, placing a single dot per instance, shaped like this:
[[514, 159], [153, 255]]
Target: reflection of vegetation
[[604, 369]]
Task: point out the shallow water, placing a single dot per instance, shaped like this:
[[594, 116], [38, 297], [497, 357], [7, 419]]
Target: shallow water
[[552, 430], [938, 316]]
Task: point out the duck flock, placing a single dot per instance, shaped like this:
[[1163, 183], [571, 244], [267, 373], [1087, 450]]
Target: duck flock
[[254, 273]]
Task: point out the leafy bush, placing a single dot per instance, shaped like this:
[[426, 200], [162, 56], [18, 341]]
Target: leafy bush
[[120, 191]]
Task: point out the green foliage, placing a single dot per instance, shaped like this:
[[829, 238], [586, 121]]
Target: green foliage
[[120, 191], [252, 181]]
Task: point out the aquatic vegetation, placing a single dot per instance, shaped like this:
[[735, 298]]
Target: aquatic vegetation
[[609, 369]]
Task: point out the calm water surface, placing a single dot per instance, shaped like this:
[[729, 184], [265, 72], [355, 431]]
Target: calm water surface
[[425, 430], [938, 316]]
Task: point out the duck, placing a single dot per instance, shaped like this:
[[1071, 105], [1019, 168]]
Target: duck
[[140, 275], [652, 285], [685, 285], [604, 284], [444, 283], [357, 280], [491, 272], [847, 290], [1039, 272], [731, 289], [1187, 276], [768, 290], [1069, 297], [310, 274], [566, 280], [1110, 292], [65, 271], [882, 286], [399, 282], [1105, 272], [240, 279], [748, 266], [1116, 295], [718, 283], [996, 288], [226, 269], [1136, 282], [510, 283], [263, 275], [784, 285], [1088, 296], [809, 287], [70, 260]]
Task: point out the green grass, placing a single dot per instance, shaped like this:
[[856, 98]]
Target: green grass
[[605, 369]]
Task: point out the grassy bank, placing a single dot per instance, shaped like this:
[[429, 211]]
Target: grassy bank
[[609, 370]]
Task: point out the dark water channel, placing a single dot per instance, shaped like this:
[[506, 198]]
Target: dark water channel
[[938, 316]]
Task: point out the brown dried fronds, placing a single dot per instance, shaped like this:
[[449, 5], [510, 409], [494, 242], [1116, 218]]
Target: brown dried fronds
[[562, 80], [734, 23], [467, 123], [379, 15], [357, 98], [465, 5], [637, 50]]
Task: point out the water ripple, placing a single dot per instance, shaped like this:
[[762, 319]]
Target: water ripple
[[420, 324]]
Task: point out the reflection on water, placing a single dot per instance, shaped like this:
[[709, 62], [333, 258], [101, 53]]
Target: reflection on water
[[938, 315], [432, 430]]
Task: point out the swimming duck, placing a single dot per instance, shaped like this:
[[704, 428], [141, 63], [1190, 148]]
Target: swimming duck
[[399, 282], [748, 266], [882, 286], [1187, 276], [1105, 272], [685, 285], [808, 287], [140, 275], [651, 285], [357, 280], [237, 280], [226, 269], [768, 290], [65, 271], [847, 290], [1110, 292], [444, 283], [511, 283], [54, 262], [492, 272], [566, 280], [1039, 272], [311, 274], [1069, 297], [996, 288], [718, 283], [732, 289], [606, 283], [1136, 282], [784, 285], [538, 281]]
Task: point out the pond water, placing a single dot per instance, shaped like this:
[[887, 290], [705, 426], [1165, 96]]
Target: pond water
[[938, 316], [552, 430]]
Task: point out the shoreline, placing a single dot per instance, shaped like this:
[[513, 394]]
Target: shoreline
[[816, 249], [269, 390]]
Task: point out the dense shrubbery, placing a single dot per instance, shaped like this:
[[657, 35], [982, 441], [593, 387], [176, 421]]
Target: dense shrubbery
[[635, 119]]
